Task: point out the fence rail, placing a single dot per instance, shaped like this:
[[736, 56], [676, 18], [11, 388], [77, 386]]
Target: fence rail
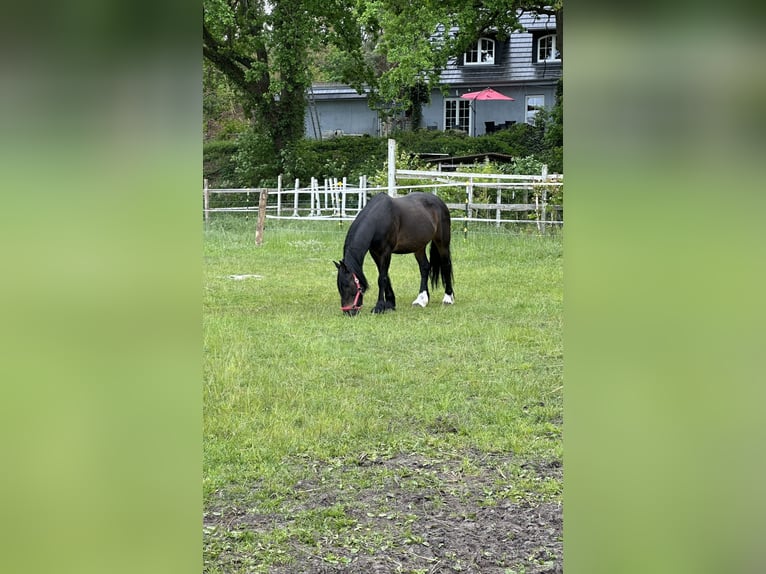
[[472, 197]]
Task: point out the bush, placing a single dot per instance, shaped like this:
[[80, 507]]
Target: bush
[[250, 161], [218, 166], [349, 157]]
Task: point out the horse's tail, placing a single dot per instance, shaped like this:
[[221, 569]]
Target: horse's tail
[[435, 265], [441, 261]]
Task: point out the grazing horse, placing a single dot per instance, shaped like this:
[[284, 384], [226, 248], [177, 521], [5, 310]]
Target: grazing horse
[[389, 225]]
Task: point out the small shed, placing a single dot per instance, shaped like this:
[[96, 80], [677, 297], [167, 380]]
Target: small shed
[[444, 162]]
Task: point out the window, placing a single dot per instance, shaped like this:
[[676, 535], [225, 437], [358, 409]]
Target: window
[[546, 49], [457, 114], [483, 52], [534, 104]]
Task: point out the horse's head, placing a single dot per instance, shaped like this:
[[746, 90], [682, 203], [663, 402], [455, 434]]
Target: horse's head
[[351, 289]]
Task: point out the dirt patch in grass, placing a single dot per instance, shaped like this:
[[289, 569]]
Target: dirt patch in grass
[[410, 513]]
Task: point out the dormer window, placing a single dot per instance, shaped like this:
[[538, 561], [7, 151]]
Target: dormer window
[[483, 52], [546, 49]]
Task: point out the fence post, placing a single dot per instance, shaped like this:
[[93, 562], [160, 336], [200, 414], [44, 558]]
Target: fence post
[[544, 196], [333, 187], [206, 200], [261, 216], [468, 200], [499, 201], [295, 199], [537, 210], [279, 195], [315, 197], [391, 167], [343, 199], [311, 197]]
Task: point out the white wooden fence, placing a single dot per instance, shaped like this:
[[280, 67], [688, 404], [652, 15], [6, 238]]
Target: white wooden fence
[[514, 198]]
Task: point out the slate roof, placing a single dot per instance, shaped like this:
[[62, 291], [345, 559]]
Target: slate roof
[[335, 91], [513, 60], [513, 65]]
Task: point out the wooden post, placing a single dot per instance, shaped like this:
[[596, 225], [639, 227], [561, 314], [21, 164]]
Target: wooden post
[[205, 200], [261, 216], [279, 195], [391, 167]]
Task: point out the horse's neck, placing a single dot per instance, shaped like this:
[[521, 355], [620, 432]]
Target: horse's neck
[[358, 244], [355, 258]]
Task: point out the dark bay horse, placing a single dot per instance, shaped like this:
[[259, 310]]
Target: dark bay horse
[[389, 225]]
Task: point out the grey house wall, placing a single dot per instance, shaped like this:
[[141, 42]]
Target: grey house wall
[[340, 110], [514, 73], [498, 112]]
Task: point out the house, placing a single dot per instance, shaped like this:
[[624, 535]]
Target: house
[[526, 67]]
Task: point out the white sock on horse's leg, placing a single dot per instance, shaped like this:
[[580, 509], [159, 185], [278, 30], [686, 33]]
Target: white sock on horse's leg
[[448, 299], [422, 299]]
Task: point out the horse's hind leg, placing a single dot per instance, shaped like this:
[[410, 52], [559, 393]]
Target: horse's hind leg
[[423, 296]]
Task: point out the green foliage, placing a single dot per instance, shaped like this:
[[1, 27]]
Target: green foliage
[[256, 162], [253, 161], [348, 157], [404, 160], [555, 133], [222, 113], [264, 50], [218, 164]]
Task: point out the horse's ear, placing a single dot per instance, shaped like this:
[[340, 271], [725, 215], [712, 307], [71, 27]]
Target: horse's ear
[[340, 264], [337, 264]]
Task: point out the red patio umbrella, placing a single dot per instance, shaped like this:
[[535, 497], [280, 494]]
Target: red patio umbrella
[[485, 94]]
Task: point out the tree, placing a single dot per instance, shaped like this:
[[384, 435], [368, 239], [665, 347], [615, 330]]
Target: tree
[[263, 48]]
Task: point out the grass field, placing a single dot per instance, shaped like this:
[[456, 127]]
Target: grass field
[[316, 424]]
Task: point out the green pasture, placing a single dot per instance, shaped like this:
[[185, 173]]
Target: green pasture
[[290, 384]]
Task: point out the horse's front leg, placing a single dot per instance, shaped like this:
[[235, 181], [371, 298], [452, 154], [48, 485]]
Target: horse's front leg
[[386, 299]]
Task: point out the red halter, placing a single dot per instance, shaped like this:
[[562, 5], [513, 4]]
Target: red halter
[[354, 306]]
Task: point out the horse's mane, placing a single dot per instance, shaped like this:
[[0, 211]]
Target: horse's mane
[[359, 237]]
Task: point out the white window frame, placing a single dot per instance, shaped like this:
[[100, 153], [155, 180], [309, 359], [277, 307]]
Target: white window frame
[[532, 107], [546, 49], [480, 54], [451, 121]]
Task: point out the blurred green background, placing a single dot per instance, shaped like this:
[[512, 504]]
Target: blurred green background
[[664, 270], [100, 413]]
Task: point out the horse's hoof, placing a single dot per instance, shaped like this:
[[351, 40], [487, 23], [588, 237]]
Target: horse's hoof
[[448, 299], [422, 299]]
